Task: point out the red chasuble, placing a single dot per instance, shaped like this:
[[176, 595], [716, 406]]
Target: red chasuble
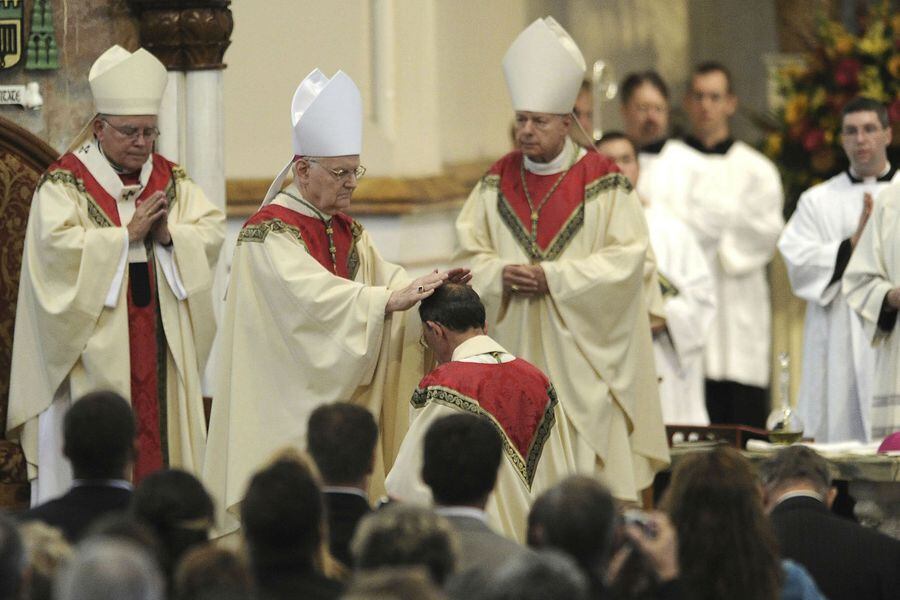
[[562, 216], [147, 342], [516, 396], [312, 233]]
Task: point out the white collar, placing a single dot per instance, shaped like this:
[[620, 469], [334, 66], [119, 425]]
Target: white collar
[[479, 344], [345, 489], [871, 178], [462, 511], [123, 484], [93, 159], [799, 494], [569, 155], [292, 198]]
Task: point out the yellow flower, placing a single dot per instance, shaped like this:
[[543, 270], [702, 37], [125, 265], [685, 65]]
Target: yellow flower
[[818, 99], [829, 137], [870, 84], [895, 24], [795, 108], [773, 144], [874, 43], [893, 66]]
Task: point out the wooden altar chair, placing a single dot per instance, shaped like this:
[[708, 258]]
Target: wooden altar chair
[[23, 157]]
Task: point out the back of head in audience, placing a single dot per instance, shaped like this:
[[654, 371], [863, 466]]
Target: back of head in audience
[[796, 469], [341, 440], [726, 545], [576, 516], [178, 509], [282, 516], [546, 575], [46, 550], [405, 535], [98, 433], [393, 584], [207, 572], [109, 569], [12, 559], [461, 457]]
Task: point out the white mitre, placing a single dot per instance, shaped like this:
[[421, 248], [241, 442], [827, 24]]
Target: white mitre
[[544, 69], [326, 120], [124, 83]]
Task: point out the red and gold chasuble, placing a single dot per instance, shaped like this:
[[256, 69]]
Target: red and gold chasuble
[[312, 232], [562, 216], [516, 396], [147, 342]]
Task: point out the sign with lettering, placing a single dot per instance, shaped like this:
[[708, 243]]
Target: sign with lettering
[[12, 31], [26, 96]]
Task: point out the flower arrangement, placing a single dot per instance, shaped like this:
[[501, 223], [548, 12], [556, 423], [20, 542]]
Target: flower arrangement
[[803, 139]]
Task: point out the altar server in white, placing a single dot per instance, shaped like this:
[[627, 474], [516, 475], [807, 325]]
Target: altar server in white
[[821, 236], [690, 303], [731, 197]]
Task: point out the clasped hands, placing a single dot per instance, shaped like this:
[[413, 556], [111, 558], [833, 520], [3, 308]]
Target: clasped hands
[[150, 218], [527, 280], [422, 287]]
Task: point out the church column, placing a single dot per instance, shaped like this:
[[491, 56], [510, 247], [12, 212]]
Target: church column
[[190, 37]]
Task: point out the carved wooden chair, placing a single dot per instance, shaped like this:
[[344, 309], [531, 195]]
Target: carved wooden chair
[[23, 157]]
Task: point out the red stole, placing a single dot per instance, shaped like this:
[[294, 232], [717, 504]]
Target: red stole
[[563, 213], [147, 345], [516, 396], [312, 233]]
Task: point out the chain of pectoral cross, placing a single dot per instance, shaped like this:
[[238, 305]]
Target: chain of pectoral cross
[[536, 210]]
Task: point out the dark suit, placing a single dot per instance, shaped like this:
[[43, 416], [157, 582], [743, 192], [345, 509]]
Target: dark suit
[[847, 560], [295, 583], [480, 547], [74, 512], [344, 513]]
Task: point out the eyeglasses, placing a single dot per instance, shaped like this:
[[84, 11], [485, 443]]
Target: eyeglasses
[[133, 133], [342, 174]]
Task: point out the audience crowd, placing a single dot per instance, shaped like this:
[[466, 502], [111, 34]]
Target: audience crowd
[[721, 531]]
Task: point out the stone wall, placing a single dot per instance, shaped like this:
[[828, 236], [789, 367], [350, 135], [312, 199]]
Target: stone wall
[[84, 29]]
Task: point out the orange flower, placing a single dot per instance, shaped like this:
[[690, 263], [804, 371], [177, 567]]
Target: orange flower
[[843, 44], [773, 144], [894, 66], [895, 24]]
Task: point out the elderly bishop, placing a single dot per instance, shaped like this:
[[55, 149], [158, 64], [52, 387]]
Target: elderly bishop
[[313, 314], [119, 256], [557, 242]]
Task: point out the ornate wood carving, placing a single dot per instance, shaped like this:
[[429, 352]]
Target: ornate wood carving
[[186, 35], [23, 157]]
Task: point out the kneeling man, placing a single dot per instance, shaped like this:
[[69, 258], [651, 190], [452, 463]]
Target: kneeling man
[[477, 375]]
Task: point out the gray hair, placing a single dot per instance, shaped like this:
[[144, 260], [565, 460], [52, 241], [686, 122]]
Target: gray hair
[[406, 535], [110, 569], [544, 575], [795, 464]]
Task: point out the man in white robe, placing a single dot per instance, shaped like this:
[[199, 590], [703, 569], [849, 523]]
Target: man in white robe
[[313, 313], [120, 249], [872, 286], [557, 242], [690, 303], [644, 108], [477, 375], [730, 195], [817, 244]]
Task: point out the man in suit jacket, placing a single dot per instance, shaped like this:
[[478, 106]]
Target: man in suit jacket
[[99, 442], [341, 439], [846, 559], [461, 458]]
